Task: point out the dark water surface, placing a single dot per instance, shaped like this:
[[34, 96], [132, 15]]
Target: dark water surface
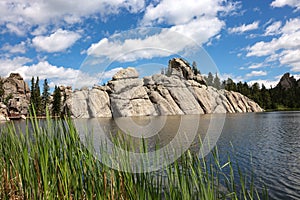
[[266, 143]]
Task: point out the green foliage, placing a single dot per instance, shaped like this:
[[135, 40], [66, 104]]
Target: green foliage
[[35, 98], [195, 68], [230, 85], [209, 79], [1, 90], [45, 96], [56, 105], [274, 98], [217, 82], [49, 161]]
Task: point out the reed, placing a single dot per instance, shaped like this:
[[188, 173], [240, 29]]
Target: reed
[[49, 161]]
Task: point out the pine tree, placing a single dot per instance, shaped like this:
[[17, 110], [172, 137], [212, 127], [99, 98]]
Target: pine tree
[[56, 104], [45, 96], [217, 82], [209, 79], [1, 90], [32, 96], [230, 85], [265, 97], [195, 68], [38, 100]]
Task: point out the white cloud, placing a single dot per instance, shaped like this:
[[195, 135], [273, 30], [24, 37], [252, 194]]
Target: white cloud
[[273, 29], [282, 3], [292, 58], [164, 42], [18, 48], [189, 21], [256, 66], [109, 74], [176, 12], [57, 41], [256, 73], [55, 75], [16, 28], [40, 12], [284, 49], [267, 83], [9, 65], [244, 28], [291, 26], [235, 78]]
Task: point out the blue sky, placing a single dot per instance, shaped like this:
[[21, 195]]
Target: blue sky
[[78, 44]]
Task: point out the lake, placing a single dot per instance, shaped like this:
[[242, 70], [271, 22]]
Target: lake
[[266, 143]]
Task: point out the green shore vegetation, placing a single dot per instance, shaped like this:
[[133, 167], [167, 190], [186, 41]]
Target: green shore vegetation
[[48, 160], [277, 98]]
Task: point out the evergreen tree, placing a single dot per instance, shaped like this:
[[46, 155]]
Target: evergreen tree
[[32, 96], [265, 97], [45, 96], [38, 100], [1, 90], [217, 82], [209, 79], [195, 68], [230, 85], [56, 104]]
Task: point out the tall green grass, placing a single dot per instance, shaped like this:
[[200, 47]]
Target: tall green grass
[[49, 161]]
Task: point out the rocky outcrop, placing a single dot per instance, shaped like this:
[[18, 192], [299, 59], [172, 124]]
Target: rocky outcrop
[[287, 82], [16, 95], [3, 112], [180, 93], [89, 103]]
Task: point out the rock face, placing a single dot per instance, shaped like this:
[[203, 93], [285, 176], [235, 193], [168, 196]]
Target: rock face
[[89, 103], [16, 95], [3, 112], [287, 82], [180, 93]]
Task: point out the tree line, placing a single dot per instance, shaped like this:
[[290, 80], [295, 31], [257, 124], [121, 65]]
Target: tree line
[[40, 103], [272, 98]]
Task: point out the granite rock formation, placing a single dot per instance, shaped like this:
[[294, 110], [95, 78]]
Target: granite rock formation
[[180, 93], [16, 96]]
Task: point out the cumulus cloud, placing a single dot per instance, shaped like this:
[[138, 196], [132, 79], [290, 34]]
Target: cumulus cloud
[[282, 3], [179, 11], [40, 12], [162, 43], [256, 66], [273, 29], [244, 28], [9, 65], [267, 83], [284, 48], [56, 75], [256, 73], [18, 29], [18, 48], [57, 41], [188, 21]]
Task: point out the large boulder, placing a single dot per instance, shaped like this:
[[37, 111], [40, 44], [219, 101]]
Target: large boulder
[[127, 73]]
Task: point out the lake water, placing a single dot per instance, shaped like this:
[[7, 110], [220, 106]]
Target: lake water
[[266, 143]]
